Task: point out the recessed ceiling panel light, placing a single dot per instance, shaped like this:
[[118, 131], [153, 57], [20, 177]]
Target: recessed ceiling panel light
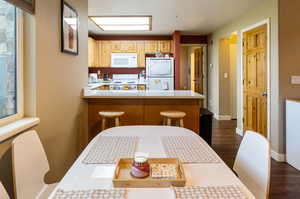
[[123, 23]]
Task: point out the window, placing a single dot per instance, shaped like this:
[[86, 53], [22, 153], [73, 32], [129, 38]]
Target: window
[[10, 64]]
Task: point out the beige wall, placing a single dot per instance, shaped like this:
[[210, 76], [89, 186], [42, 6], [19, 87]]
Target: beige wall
[[267, 9], [289, 57], [53, 84], [60, 79]]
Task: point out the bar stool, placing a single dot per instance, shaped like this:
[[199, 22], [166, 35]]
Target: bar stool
[[110, 114], [176, 115]]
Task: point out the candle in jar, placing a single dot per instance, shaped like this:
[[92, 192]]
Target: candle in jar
[[140, 167]]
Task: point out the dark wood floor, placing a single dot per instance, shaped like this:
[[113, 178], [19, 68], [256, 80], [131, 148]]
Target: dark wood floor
[[285, 180]]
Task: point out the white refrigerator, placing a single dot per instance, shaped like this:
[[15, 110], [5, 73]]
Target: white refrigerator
[[160, 73]]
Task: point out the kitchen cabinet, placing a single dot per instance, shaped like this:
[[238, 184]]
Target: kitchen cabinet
[[141, 53], [123, 46], [106, 50], [128, 46], [151, 46], [164, 46], [91, 50], [100, 50], [116, 46]]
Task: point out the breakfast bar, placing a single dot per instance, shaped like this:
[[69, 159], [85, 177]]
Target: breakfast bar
[[142, 107]]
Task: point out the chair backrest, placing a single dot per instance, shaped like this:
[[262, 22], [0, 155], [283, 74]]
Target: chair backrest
[[3, 193], [253, 164], [30, 165]]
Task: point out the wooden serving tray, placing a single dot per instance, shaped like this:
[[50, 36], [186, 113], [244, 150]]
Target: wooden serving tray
[[123, 178]]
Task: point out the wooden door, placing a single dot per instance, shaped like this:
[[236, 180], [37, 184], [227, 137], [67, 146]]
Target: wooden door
[[255, 80], [198, 71]]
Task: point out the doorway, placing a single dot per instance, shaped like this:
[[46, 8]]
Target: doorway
[[228, 77], [255, 79], [193, 68]]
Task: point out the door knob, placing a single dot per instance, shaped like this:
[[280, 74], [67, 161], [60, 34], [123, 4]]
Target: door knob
[[264, 94]]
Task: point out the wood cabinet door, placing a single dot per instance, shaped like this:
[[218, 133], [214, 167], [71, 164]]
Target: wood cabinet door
[[164, 46], [128, 46], [151, 46], [91, 51], [116, 46], [140, 45], [255, 80], [97, 53], [106, 49]]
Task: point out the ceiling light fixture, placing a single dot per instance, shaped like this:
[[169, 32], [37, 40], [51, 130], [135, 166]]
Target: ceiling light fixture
[[123, 23]]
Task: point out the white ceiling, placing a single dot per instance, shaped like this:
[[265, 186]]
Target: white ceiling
[[188, 16]]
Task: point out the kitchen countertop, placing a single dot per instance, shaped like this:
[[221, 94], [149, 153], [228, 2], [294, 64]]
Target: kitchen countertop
[[89, 93]]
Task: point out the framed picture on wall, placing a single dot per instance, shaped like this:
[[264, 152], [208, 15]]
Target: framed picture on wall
[[69, 29]]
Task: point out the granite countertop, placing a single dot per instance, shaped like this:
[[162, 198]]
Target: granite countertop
[[89, 93]]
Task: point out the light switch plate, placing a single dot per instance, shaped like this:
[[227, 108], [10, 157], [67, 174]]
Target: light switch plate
[[295, 79], [225, 75]]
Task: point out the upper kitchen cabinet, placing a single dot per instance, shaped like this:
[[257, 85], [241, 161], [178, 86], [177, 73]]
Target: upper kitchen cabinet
[[106, 50], [164, 46], [94, 48], [140, 46], [123, 46], [100, 50], [151, 46], [128, 46], [116, 46], [91, 46]]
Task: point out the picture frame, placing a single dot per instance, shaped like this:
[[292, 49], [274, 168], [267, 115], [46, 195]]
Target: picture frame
[[69, 29]]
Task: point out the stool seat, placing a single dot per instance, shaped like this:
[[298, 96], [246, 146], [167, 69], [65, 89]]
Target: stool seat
[[173, 114], [176, 115], [111, 114]]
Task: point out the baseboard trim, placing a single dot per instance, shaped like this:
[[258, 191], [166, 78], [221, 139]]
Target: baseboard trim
[[239, 132], [222, 117], [279, 157]]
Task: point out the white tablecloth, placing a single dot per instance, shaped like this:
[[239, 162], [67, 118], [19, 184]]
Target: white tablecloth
[[83, 176]]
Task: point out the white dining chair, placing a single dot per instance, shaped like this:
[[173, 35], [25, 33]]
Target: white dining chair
[[253, 164], [3, 193], [30, 165]]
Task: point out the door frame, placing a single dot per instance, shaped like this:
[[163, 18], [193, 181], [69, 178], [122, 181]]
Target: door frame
[[263, 22]]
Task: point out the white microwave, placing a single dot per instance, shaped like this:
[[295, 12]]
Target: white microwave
[[124, 60]]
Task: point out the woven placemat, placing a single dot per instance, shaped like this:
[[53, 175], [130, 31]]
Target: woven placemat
[[108, 149], [188, 149], [91, 194], [220, 192]]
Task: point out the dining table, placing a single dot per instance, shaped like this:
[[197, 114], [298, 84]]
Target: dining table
[[82, 176]]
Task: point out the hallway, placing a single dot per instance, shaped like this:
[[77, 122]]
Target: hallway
[[285, 180]]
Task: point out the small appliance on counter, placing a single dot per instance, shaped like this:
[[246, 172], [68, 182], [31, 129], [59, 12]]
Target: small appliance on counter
[[160, 73], [93, 78], [106, 77]]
